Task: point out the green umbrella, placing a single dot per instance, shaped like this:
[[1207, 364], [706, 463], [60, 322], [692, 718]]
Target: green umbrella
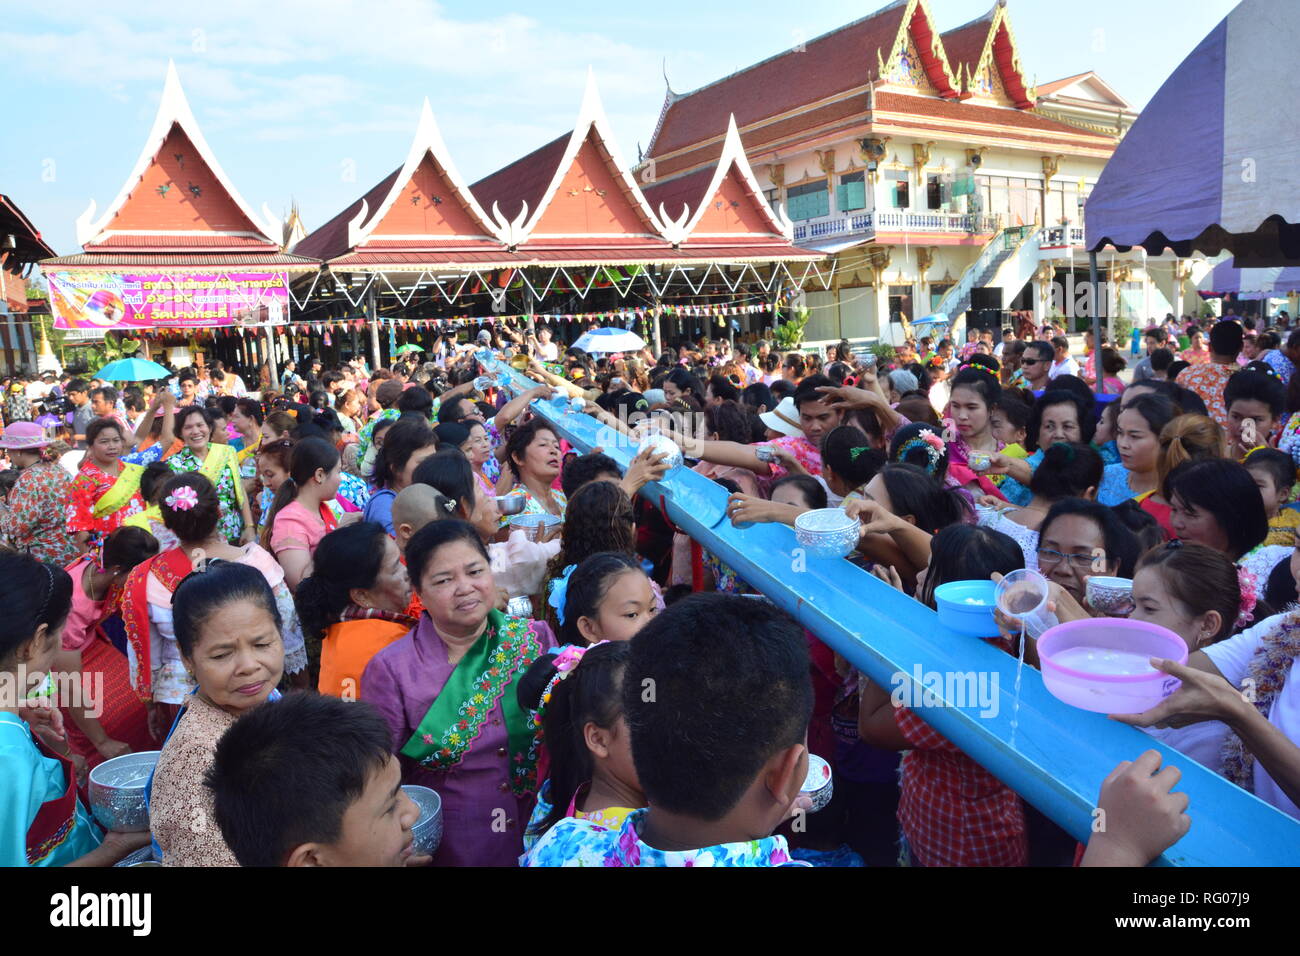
[[408, 348]]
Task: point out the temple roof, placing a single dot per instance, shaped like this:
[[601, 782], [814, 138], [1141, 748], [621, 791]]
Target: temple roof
[[423, 204], [721, 205], [575, 189], [177, 196]]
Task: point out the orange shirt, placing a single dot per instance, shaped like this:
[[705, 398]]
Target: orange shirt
[[347, 649]]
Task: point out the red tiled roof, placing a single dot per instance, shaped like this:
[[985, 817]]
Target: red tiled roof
[[966, 43], [164, 242], [833, 63], [973, 113], [331, 238], [1047, 89], [685, 190], [525, 179], [161, 262]]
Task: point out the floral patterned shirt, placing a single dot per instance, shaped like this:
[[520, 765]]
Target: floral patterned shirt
[[577, 842], [87, 488], [229, 491], [1208, 380], [35, 518]]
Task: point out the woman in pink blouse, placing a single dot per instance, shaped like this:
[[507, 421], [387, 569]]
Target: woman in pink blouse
[[300, 515]]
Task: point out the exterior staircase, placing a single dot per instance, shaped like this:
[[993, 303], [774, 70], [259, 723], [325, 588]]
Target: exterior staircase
[[1019, 243]]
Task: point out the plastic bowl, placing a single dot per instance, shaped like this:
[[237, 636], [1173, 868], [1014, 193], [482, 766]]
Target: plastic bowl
[[967, 607], [1112, 597], [117, 791], [1101, 664], [827, 533], [818, 784], [427, 829]]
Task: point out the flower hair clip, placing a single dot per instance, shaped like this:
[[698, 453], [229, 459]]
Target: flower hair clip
[[566, 662], [1249, 597], [931, 443], [183, 498]]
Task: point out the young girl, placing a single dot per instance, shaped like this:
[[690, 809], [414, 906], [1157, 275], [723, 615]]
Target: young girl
[[1274, 471], [1009, 421], [1138, 439], [151, 483], [1195, 592], [1255, 401], [42, 821], [576, 698], [848, 464], [1185, 438], [116, 722], [607, 597], [975, 393], [299, 515], [951, 811]]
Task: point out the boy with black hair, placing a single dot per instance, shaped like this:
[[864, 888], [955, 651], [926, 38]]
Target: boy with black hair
[[717, 699], [311, 780]]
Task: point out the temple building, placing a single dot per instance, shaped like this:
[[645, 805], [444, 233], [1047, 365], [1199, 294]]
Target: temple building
[[927, 166], [21, 246], [178, 250]]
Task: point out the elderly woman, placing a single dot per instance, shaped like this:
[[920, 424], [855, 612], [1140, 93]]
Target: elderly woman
[[33, 515], [106, 491], [220, 465], [190, 510], [353, 604], [533, 455], [447, 691], [228, 630]]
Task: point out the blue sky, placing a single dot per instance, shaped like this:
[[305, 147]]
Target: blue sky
[[316, 100]]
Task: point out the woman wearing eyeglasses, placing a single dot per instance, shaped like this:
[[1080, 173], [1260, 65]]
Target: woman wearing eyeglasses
[[1081, 538]]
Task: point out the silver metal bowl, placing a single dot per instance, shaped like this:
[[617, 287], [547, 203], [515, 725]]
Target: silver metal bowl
[[140, 857], [511, 504], [427, 829], [818, 784], [1112, 597], [117, 791], [662, 445], [827, 533]]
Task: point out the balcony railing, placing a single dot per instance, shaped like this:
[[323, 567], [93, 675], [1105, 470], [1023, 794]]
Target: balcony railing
[[899, 220], [1058, 237]]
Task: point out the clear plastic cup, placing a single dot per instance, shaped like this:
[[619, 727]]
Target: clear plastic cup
[[1022, 595]]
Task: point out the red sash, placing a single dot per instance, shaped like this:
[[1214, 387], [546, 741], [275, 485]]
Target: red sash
[[327, 516], [57, 818], [170, 568]]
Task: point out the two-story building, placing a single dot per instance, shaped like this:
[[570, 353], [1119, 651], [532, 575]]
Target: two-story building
[[927, 166]]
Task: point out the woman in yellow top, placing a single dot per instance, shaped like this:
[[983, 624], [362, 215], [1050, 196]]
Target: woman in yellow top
[[220, 465], [352, 605], [579, 714]]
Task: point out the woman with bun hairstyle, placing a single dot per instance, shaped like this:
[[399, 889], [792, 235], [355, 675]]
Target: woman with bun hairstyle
[[352, 605], [1185, 438]]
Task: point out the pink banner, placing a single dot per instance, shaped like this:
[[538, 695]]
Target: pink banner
[[114, 300]]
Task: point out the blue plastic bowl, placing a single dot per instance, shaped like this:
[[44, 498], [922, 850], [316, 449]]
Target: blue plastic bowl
[[958, 613]]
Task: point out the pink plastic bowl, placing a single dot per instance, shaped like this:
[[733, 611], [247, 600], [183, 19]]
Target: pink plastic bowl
[[1100, 664]]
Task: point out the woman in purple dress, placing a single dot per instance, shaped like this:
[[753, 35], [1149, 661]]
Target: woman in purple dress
[[447, 691]]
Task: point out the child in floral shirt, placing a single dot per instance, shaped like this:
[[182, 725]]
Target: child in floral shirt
[[717, 699]]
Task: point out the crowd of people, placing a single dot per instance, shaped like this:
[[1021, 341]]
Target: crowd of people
[[307, 595]]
